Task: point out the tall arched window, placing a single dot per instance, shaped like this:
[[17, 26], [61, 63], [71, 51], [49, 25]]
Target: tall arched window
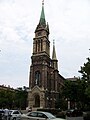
[[41, 45], [37, 101], [38, 45], [48, 81], [37, 78]]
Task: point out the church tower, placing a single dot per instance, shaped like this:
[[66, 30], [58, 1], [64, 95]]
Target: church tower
[[44, 79]]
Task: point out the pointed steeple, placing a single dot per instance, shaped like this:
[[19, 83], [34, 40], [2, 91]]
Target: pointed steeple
[[41, 41], [54, 59], [54, 52], [42, 17]]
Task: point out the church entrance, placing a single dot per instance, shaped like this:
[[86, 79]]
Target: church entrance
[[37, 101]]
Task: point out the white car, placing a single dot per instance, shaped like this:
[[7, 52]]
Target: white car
[[15, 115], [38, 115]]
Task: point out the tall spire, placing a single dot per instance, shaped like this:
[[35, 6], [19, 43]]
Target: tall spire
[[54, 52], [42, 17], [54, 59]]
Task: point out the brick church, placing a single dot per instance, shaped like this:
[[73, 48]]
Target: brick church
[[45, 82]]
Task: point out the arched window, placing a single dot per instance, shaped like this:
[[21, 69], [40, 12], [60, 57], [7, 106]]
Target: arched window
[[48, 81], [38, 45], [37, 101], [41, 45], [37, 78]]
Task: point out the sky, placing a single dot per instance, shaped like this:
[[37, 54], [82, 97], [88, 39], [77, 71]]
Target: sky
[[69, 24]]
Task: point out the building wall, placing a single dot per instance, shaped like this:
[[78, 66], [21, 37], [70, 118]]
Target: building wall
[[44, 80]]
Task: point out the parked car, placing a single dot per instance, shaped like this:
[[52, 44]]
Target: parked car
[[38, 115], [14, 115], [74, 113]]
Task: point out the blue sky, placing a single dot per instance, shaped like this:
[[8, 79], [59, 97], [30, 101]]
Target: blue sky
[[69, 22]]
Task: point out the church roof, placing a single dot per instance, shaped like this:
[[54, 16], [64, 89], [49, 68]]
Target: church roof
[[42, 17]]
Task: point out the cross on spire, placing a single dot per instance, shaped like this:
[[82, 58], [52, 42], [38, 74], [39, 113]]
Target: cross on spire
[[42, 2]]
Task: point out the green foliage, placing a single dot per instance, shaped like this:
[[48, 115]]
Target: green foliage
[[78, 91], [12, 99], [87, 92], [85, 70], [6, 98], [21, 98]]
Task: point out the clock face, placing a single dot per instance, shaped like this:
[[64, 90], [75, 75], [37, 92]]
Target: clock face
[[39, 33]]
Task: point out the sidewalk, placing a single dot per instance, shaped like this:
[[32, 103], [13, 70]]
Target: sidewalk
[[74, 118]]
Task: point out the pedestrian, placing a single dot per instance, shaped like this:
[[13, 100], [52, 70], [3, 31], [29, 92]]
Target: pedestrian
[[30, 109], [6, 114]]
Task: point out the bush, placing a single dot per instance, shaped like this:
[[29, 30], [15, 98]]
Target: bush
[[87, 116], [61, 114]]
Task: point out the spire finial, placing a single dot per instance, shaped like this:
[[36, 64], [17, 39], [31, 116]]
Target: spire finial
[[42, 2]]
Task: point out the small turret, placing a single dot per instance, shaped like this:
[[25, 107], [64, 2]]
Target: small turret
[[54, 58], [54, 52], [47, 27]]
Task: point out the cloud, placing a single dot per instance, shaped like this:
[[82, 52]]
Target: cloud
[[6, 1]]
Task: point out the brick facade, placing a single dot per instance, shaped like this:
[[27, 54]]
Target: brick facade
[[45, 82]]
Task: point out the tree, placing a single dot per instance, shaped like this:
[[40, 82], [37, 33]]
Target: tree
[[12, 98], [6, 98], [85, 71], [70, 91], [78, 92], [21, 98], [75, 92]]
